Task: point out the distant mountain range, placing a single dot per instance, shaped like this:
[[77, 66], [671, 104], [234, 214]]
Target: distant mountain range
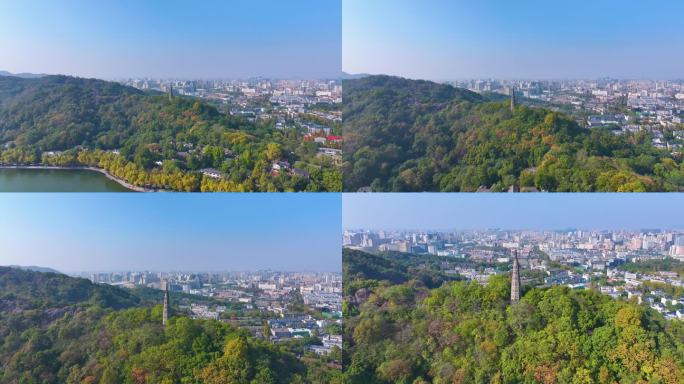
[[35, 269], [23, 75]]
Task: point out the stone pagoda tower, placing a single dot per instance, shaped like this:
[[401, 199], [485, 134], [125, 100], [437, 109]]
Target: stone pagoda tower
[[512, 99], [515, 279], [165, 315]]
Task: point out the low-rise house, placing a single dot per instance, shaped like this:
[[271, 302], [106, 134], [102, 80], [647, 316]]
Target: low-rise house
[[320, 350], [330, 151], [280, 333], [300, 172], [280, 166], [211, 172]]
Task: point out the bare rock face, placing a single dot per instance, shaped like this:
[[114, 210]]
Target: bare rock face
[[361, 296], [54, 314], [42, 316], [9, 306]]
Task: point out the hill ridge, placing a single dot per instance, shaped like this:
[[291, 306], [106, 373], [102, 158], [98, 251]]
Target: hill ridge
[[405, 135]]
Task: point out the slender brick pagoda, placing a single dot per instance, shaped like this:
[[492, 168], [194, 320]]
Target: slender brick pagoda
[[515, 279]]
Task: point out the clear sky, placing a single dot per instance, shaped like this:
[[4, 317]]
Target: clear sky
[[455, 39], [533, 211], [172, 231], [172, 38]]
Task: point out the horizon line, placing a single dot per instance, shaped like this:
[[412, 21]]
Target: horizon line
[[519, 229], [437, 80], [116, 78], [68, 271]]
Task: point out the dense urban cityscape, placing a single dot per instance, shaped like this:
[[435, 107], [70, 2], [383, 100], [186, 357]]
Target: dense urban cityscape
[[644, 265], [653, 106], [288, 305]]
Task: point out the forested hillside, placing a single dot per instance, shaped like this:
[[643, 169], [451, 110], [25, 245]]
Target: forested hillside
[[58, 329], [60, 120], [464, 332], [362, 269], [30, 290], [410, 135]]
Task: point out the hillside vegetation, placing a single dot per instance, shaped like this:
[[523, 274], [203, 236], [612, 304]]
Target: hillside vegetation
[[412, 135], [127, 131], [362, 269], [59, 329], [464, 332]]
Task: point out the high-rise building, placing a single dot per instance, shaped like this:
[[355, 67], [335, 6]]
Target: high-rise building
[[677, 250], [515, 279]]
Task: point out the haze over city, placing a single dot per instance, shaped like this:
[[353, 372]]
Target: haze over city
[[169, 232], [557, 211], [532, 39]]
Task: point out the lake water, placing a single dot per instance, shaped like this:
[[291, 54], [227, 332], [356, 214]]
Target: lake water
[[56, 180]]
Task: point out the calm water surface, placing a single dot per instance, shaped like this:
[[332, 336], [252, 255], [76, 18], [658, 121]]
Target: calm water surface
[[56, 180]]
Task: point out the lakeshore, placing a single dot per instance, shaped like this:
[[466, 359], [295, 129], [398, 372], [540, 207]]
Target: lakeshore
[[120, 182]]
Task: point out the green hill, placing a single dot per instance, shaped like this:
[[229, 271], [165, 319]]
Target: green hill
[[361, 269], [358, 265], [34, 268], [413, 135], [59, 329], [31, 290], [464, 332], [127, 132]]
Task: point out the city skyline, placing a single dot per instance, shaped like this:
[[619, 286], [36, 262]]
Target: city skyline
[[446, 40], [171, 232], [519, 230], [172, 39], [514, 211]]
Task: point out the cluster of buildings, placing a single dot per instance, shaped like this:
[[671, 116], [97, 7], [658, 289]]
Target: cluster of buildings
[[245, 299], [624, 106], [488, 245], [574, 258], [294, 326], [246, 97], [234, 91]]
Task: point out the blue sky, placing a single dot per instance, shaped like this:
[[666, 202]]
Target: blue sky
[[535, 211], [454, 39], [172, 38], [86, 232]]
